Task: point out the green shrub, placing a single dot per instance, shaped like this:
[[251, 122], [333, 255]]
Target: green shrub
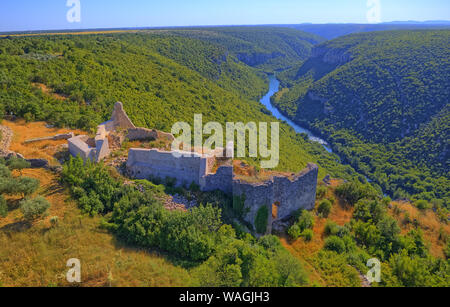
[[335, 244], [306, 220], [422, 205], [419, 272], [77, 192], [352, 192], [92, 184], [331, 228], [334, 269], [250, 263], [26, 186], [4, 171], [54, 220], [294, 232], [447, 250], [369, 211], [321, 191], [3, 207], [34, 208], [325, 208], [193, 187], [17, 164], [262, 218], [18, 186], [307, 235]]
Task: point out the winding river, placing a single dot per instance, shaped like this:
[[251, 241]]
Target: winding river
[[274, 86]]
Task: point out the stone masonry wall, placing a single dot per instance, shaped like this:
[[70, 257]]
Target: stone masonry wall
[[289, 195], [222, 180], [120, 118], [147, 163], [139, 134], [79, 147]]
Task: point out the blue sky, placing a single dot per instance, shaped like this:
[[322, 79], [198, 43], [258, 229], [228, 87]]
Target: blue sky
[[20, 15]]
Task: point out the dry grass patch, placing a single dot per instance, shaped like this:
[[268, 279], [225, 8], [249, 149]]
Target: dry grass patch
[[427, 220], [307, 252], [36, 255], [37, 150]]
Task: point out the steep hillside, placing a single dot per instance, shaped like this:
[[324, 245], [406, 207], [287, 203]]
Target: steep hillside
[[210, 60], [411, 243], [267, 48], [382, 100], [159, 82]]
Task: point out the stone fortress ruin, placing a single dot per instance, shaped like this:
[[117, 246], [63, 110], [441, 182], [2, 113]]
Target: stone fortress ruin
[[282, 195]]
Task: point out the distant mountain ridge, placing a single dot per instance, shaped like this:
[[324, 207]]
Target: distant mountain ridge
[[332, 31]]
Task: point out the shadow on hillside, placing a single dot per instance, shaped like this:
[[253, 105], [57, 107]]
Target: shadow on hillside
[[176, 260], [16, 227], [54, 189]]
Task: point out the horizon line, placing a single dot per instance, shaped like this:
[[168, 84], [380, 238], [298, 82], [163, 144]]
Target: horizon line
[[394, 22]]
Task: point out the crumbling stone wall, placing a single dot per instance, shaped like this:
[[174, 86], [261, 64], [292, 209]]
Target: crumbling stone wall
[[153, 163], [287, 194], [193, 168], [138, 134], [78, 147], [119, 121], [120, 118], [222, 180], [57, 137], [101, 144]]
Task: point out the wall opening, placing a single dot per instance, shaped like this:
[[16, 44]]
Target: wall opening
[[275, 207]]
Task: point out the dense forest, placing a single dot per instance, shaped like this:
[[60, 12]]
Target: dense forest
[[381, 99], [266, 48]]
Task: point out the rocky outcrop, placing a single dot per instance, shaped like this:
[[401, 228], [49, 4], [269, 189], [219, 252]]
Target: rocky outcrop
[[5, 140], [255, 59], [327, 180], [327, 108]]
